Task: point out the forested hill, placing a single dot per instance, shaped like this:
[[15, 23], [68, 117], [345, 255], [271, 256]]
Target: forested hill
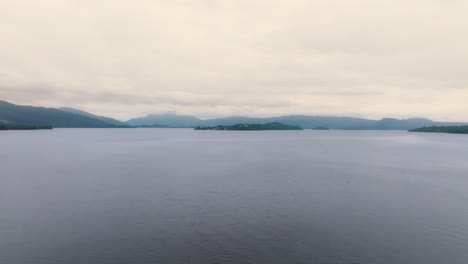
[[443, 129], [12, 114], [109, 120], [253, 127], [304, 121]]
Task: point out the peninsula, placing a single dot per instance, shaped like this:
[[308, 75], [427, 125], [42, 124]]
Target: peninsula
[[23, 127], [443, 129]]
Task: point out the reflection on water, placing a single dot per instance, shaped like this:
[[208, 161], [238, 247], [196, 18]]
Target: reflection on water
[[113, 196]]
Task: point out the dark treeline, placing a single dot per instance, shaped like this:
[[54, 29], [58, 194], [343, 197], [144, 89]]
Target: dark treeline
[[23, 127], [443, 129], [247, 127]]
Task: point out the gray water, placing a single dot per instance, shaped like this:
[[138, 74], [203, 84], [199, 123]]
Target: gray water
[[131, 196]]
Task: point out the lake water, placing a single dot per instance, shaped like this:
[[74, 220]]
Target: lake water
[[124, 196]]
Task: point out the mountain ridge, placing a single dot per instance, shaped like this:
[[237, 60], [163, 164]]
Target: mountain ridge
[[305, 121], [13, 114], [102, 118]]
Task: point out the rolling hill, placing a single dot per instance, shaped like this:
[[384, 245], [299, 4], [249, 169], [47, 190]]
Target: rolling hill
[[109, 120], [166, 120], [306, 122], [12, 114]]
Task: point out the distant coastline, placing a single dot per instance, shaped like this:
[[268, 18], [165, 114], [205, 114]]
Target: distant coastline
[[253, 127], [442, 129], [320, 128], [65, 117], [23, 127]]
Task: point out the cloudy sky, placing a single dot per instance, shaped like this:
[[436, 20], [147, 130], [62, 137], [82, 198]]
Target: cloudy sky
[[209, 58]]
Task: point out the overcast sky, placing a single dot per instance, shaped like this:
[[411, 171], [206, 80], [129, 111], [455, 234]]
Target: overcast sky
[[127, 58]]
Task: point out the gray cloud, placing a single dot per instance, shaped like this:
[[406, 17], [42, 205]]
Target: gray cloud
[[258, 57]]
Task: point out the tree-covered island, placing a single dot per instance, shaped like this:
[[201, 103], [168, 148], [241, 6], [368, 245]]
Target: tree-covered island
[[253, 127], [443, 129]]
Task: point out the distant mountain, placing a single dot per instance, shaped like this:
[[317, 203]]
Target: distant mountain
[[165, 120], [109, 120], [405, 124], [11, 114], [306, 122], [310, 122]]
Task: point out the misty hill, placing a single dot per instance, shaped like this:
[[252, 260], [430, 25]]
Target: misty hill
[[11, 114], [443, 129], [165, 120], [109, 120], [311, 122], [405, 124], [306, 122], [253, 127]]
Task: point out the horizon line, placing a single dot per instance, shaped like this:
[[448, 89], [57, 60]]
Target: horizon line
[[174, 113]]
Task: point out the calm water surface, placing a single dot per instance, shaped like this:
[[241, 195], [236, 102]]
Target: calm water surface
[[131, 196]]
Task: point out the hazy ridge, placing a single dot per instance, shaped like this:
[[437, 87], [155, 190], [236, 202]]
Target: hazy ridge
[[304, 121], [69, 117]]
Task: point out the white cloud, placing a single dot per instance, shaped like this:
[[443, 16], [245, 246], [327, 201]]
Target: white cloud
[[213, 58]]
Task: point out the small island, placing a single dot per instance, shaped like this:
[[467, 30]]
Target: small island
[[443, 129], [320, 128], [23, 127], [253, 127]]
